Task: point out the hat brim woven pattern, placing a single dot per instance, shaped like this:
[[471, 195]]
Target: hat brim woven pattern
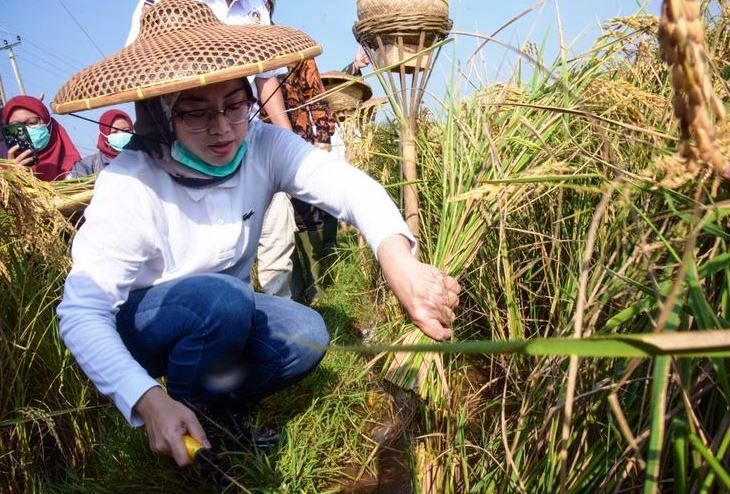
[[178, 51]]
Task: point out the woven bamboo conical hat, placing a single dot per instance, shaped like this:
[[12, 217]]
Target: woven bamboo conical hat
[[182, 45], [352, 92]]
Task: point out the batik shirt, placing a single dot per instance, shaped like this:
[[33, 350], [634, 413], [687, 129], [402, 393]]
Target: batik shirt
[[312, 121]]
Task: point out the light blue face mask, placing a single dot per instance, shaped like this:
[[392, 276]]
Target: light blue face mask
[[39, 135], [184, 156], [118, 140]]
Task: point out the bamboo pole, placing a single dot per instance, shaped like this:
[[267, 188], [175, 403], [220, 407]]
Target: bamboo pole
[[410, 176]]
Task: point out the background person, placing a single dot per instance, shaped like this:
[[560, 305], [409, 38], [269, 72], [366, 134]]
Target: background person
[[316, 230], [115, 127], [316, 236], [55, 151], [3, 146]]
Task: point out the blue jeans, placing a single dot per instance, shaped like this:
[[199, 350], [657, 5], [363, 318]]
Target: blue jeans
[[212, 336]]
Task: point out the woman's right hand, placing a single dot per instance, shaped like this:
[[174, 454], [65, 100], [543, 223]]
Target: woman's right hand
[[428, 294], [23, 159], [167, 421]]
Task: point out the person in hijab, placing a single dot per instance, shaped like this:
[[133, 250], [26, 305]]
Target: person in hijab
[[53, 147], [160, 283], [115, 131]]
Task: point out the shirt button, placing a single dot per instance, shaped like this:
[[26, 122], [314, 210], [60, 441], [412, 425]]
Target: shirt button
[[220, 221]]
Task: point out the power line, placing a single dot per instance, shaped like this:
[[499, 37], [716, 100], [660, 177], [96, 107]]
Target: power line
[[52, 72], [74, 64], [67, 64], [27, 53], [81, 27]]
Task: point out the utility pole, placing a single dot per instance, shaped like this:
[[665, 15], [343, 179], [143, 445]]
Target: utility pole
[[2, 93], [11, 55]]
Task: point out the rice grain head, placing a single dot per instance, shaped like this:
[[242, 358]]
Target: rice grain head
[[681, 39]]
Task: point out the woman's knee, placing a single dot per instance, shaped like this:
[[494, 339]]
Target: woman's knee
[[314, 339]]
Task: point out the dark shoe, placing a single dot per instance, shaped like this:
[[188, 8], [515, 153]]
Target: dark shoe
[[229, 427], [258, 435]]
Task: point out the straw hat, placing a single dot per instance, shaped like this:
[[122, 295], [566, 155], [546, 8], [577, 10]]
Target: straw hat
[[182, 45], [396, 30], [352, 91]]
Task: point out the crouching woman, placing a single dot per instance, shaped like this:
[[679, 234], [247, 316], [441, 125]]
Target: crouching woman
[[160, 280]]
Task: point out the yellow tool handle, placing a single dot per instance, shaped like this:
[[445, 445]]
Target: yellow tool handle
[[192, 446]]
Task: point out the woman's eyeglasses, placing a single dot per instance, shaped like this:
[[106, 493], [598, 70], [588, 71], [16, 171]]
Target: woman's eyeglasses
[[31, 122], [201, 120]]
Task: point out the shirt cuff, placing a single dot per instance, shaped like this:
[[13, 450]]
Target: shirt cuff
[[375, 243], [129, 394]]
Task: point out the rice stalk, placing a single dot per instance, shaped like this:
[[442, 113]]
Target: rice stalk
[[452, 169]]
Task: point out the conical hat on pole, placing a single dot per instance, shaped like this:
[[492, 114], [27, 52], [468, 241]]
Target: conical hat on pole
[[394, 30]]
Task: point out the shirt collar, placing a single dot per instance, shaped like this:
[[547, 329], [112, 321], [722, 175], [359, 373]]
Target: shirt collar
[[197, 193]]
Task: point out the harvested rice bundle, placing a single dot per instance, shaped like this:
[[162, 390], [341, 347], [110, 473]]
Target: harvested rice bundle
[[28, 211]]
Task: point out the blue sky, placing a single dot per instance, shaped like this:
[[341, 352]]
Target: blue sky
[[54, 46]]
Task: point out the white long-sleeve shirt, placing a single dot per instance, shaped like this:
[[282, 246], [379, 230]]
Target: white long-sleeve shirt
[[142, 228]]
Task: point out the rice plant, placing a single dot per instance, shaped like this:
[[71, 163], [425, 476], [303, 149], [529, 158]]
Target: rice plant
[[586, 356], [47, 417], [578, 234]]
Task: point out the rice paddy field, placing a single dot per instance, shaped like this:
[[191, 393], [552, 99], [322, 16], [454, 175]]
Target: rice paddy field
[[588, 227]]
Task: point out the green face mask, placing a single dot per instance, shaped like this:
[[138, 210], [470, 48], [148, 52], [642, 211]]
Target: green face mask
[[184, 156], [39, 135], [118, 140]]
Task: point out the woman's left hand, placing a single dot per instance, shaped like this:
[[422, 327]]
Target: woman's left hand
[[428, 294], [22, 158]]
